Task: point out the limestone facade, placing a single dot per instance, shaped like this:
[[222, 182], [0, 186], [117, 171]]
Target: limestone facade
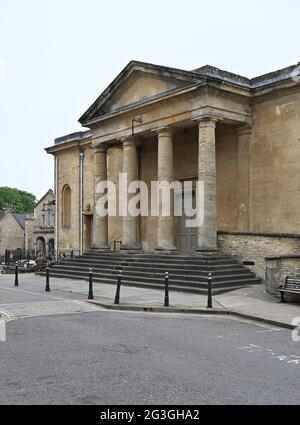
[[239, 136], [39, 227], [12, 230]]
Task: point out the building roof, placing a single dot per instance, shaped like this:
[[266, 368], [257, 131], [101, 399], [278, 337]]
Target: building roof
[[49, 192], [20, 219], [73, 137], [205, 74]]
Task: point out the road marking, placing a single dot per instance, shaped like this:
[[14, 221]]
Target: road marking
[[286, 358], [6, 315], [44, 308]]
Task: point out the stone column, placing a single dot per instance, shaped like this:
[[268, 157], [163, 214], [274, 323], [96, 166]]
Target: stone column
[[100, 224], [207, 231], [242, 181], [130, 168], [165, 228]]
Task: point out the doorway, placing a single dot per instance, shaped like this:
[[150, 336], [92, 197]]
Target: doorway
[[87, 232], [187, 234]]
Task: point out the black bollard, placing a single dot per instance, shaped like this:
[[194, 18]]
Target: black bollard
[[167, 301], [209, 291], [72, 254], [17, 275], [47, 288], [117, 297], [91, 294]]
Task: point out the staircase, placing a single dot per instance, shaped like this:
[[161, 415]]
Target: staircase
[[186, 273]]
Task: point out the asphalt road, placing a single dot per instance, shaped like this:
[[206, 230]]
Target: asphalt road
[[61, 350]]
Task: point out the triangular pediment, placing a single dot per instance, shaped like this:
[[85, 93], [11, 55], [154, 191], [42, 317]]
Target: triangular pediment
[[137, 83], [140, 86]]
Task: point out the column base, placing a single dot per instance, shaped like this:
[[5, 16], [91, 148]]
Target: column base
[[101, 249], [166, 251], [208, 251], [131, 249]]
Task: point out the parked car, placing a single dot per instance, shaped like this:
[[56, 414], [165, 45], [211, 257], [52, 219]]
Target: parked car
[[26, 263]]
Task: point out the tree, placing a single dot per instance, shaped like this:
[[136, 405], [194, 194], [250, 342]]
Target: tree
[[20, 201]]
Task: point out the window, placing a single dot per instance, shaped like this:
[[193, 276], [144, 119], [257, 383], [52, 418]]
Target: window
[[66, 206]]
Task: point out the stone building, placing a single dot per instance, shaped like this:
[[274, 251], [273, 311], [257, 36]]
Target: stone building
[[12, 230], [240, 136], [39, 227]]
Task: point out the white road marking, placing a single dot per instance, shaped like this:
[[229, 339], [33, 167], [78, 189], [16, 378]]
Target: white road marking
[[6, 315], [43, 308], [289, 358]]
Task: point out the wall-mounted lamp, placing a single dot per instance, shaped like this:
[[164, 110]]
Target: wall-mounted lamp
[[138, 120]]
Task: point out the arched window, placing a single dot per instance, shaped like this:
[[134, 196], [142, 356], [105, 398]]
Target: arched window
[[66, 206]]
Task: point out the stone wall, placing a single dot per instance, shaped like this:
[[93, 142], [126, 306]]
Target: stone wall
[[256, 247], [68, 174], [29, 236], [278, 268], [11, 234], [274, 164]]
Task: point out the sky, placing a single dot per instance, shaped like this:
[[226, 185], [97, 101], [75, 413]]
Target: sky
[[57, 56]]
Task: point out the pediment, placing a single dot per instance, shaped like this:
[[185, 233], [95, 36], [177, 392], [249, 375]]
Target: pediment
[[140, 86], [137, 83]]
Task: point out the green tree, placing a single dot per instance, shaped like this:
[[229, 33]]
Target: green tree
[[20, 201]]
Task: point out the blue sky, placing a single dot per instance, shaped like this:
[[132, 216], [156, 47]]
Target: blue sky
[[57, 56]]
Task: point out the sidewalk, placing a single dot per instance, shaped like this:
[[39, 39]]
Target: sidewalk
[[251, 303]]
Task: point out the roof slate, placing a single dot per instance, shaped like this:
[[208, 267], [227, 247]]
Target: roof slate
[[20, 219]]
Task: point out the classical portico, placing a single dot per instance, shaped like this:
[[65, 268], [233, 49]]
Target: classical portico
[[170, 102], [165, 229]]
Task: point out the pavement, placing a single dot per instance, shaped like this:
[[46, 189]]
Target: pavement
[[252, 303], [61, 349]]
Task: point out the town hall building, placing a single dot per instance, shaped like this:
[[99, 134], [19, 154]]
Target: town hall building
[[239, 136]]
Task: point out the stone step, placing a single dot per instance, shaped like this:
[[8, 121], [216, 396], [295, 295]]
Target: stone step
[[143, 255], [192, 281], [155, 257], [163, 261], [161, 268], [185, 274]]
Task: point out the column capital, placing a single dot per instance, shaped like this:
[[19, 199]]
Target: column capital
[[207, 121], [100, 147], [244, 129], [130, 140], [164, 130]]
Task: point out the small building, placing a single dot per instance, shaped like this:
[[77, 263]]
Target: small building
[[39, 227], [12, 230]]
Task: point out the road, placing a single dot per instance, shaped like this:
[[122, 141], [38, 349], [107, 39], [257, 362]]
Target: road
[[62, 350]]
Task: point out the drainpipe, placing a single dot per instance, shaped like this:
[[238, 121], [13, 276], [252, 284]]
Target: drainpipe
[[81, 160], [56, 205]]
